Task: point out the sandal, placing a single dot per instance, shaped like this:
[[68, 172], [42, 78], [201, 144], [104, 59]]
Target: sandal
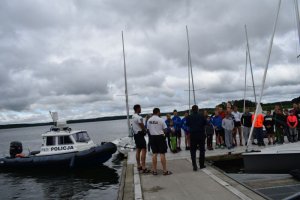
[[146, 171], [167, 173], [154, 173]]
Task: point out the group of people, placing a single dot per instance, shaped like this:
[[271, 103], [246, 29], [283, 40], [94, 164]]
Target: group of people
[[199, 129]]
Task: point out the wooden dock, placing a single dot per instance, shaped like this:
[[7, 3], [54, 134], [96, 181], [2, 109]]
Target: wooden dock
[[209, 183]]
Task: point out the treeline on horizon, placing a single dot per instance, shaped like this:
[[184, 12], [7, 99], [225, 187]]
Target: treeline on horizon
[[238, 103]]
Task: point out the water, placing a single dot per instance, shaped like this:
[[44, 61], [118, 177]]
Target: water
[[97, 183]]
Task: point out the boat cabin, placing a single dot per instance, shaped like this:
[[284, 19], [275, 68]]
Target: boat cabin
[[64, 140]]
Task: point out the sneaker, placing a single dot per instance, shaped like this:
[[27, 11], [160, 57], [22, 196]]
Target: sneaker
[[195, 168], [217, 146], [202, 167], [269, 143], [222, 146]]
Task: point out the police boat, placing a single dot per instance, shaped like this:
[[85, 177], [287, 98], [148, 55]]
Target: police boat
[[62, 147]]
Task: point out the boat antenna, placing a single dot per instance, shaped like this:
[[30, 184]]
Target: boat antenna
[[258, 106], [298, 20], [190, 66], [250, 63], [126, 91]]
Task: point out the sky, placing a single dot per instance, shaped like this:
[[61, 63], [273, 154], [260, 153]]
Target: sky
[[66, 56]]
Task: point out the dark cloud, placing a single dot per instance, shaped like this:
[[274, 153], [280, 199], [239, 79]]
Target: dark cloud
[[67, 55]]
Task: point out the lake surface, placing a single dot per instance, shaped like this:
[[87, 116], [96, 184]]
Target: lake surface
[[97, 183]]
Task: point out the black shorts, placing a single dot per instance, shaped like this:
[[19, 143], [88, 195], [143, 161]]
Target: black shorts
[[178, 133], [237, 124], [140, 141], [220, 132], [158, 144], [270, 131]]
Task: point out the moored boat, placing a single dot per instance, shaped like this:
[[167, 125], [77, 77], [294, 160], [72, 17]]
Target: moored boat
[[62, 147], [277, 159]]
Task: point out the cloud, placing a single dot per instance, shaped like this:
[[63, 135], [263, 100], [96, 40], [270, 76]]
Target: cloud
[[67, 55]]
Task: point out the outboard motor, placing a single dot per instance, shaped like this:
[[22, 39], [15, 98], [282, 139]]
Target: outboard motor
[[15, 148]]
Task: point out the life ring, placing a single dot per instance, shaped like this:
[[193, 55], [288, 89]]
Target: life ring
[[20, 155]]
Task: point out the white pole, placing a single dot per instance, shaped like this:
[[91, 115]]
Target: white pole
[[297, 19], [126, 91], [245, 81], [190, 63], [265, 75], [248, 48], [189, 79]]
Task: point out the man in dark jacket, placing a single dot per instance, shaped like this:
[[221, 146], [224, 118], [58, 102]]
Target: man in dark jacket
[[246, 121], [196, 122]]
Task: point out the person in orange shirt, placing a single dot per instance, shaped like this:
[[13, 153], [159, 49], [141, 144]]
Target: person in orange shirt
[[258, 128], [292, 123]]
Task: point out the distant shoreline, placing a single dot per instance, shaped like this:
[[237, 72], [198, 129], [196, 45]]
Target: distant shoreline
[[239, 103]]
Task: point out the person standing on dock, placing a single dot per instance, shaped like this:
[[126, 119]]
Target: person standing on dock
[[186, 131], [269, 125], [258, 128], [197, 123], [168, 132], [177, 125], [237, 125], [157, 128], [139, 138], [292, 123], [246, 121], [228, 125]]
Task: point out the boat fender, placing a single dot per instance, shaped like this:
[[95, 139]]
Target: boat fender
[[20, 155]]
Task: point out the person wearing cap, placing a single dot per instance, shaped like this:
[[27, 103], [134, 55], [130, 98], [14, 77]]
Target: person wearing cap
[[177, 125], [197, 122], [139, 131], [157, 128]]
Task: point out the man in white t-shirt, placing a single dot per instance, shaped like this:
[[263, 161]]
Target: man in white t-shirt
[[157, 128], [237, 125], [139, 138]]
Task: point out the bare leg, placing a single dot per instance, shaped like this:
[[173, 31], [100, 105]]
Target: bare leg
[[154, 162], [218, 139], [143, 157], [137, 156], [178, 141], [234, 136], [163, 162], [240, 134], [269, 138]]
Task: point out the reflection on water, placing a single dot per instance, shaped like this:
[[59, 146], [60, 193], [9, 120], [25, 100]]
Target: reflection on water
[[57, 184], [94, 183]]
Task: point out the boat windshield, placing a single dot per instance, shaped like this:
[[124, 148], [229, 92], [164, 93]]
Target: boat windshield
[[81, 137]]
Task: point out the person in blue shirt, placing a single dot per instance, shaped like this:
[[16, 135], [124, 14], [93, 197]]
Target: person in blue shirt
[[217, 123], [186, 130], [177, 125]]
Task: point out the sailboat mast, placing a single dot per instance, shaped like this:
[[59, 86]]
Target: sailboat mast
[[189, 80], [258, 107], [190, 63], [126, 91], [297, 20], [248, 49], [245, 88]]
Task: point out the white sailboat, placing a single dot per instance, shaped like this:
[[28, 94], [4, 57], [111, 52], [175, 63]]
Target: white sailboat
[[283, 158], [125, 144]]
